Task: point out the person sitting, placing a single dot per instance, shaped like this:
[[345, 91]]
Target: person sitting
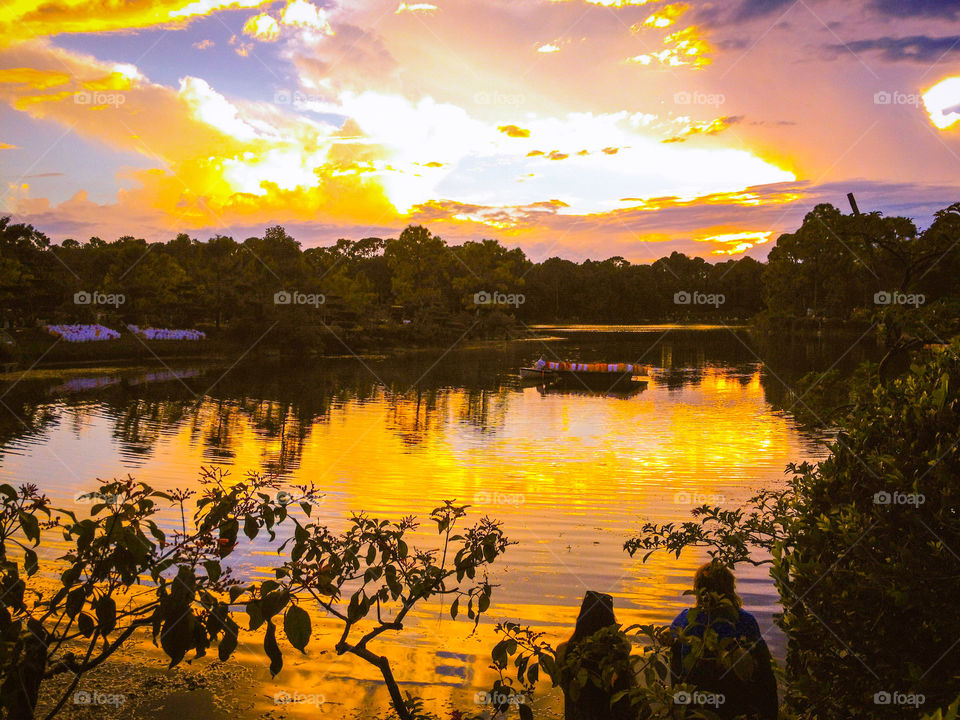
[[730, 691], [595, 646]]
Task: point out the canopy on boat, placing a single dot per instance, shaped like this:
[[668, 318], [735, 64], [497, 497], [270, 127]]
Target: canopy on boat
[[592, 367]]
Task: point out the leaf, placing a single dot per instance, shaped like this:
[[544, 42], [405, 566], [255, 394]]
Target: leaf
[[30, 525], [454, 607], [272, 649], [255, 611], [296, 625], [274, 602], [176, 635], [86, 624], [250, 528], [106, 610], [230, 639], [525, 712], [213, 570], [75, 601], [30, 562]]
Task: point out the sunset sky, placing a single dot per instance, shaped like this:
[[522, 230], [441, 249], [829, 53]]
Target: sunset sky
[[580, 128]]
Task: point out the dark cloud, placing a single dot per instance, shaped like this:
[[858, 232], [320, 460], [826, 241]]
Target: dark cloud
[[915, 48], [773, 123], [752, 9], [949, 9]]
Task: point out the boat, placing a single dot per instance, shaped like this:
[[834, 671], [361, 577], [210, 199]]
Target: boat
[[616, 389], [583, 370], [604, 375]]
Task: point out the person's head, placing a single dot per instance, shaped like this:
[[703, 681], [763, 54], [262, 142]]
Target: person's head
[[596, 613], [714, 577]]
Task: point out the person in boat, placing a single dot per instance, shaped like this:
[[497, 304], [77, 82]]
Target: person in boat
[[596, 644], [540, 364], [728, 694]]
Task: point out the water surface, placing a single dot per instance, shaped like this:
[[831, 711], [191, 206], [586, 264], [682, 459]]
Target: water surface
[[570, 473]]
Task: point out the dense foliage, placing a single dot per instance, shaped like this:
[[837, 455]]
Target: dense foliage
[[863, 550]]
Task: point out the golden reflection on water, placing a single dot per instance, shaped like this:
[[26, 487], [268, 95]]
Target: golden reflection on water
[[570, 476]]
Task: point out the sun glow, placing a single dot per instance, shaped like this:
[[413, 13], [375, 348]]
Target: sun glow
[[736, 243], [942, 102]]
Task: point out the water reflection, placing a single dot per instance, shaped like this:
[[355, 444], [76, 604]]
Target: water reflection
[[571, 474]]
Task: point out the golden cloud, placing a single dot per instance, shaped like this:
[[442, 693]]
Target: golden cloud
[[37, 19], [737, 242], [684, 48], [713, 127], [514, 131], [415, 8], [263, 27]]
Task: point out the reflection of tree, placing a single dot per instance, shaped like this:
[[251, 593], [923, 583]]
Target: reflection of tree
[[414, 414], [21, 416], [284, 428], [786, 359], [215, 428], [140, 423], [485, 409]]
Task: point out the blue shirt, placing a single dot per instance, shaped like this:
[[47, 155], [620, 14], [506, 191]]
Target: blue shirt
[[745, 627]]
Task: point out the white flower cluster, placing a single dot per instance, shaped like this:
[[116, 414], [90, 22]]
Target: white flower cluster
[[83, 333], [167, 333]]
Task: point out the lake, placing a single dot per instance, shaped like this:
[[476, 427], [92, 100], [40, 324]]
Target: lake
[[572, 474]]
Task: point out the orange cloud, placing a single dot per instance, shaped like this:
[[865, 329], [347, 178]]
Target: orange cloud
[[216, 159], [717, 125], [263, 27], [685, 47], [514, 131], [34, 18], [737, 242], [33, 78]]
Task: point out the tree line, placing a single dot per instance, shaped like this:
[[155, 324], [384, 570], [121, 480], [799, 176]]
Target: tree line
[[833, 266]]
